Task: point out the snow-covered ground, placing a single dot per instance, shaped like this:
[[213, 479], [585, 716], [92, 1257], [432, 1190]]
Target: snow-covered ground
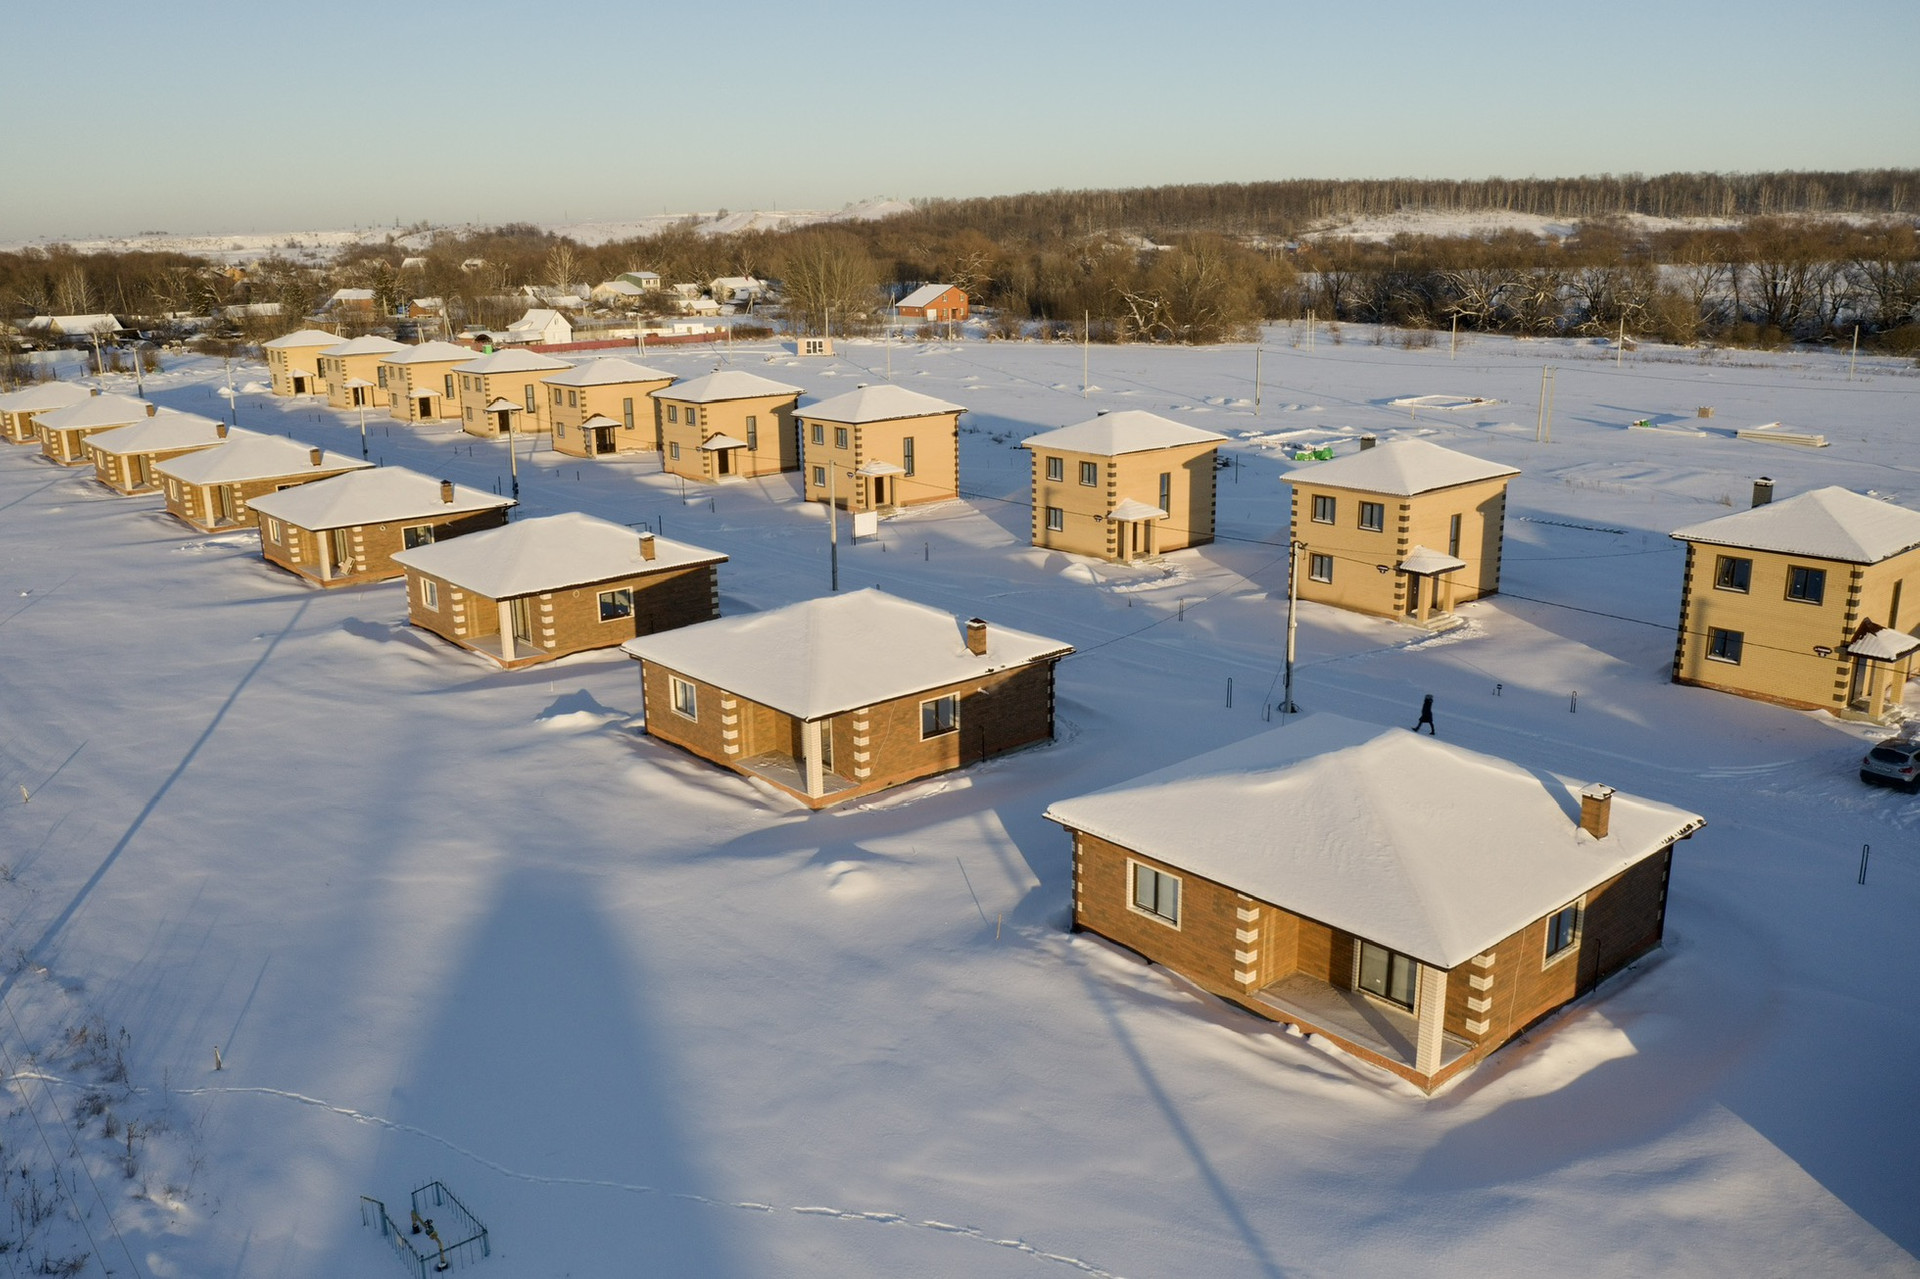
[[447, 922]]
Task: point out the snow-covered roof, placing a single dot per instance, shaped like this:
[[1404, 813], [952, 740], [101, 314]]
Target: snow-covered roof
[[838, 652], [1424, 847], [878, 403], [435, 352], [1421, 559], [1128, 431], [608, 370], [43, 396], [720, 441], [925, 294], [555, 551], [1400, 468], [536, 320], [165, 430], [94, 412], [351, 295], [1827, 524], [1132, 509], [727, 384], [370, 344], [379, 496], [302, 338], [516, 361], [1885, 645], [246, 456], [625, 288], [70, 325]]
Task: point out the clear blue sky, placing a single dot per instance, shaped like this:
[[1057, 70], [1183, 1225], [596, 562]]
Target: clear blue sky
[[194, 116]]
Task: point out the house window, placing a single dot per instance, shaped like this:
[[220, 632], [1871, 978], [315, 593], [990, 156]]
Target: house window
[[839, 437], [449, 385], [1808, 585], [1563, 931], [430, 594], [673, 412], [685, 697], [573, 399], [1320, 567], [819, 433], [615, 605], [532, 407], [1453, 537], [417, 535], [1089, 474], [1387, 974], [468, 413], [1733, 573], [673, 451], [273, 530], [556, 395], [939, 716], [626, 413], [1166, 491], [1056, 469], [906, 454], [819, 477], [380, 374], [1725, 646], [1373, 516], [1323, 508], [753, 431], [1056, 519], [1155, 893]]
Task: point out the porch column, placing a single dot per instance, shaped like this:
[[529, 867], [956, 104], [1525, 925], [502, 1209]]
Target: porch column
[[810, 747], [1433, 1015], [506, 630], [326, 551], [1426, 595], [1876, 681], [1448, 579]]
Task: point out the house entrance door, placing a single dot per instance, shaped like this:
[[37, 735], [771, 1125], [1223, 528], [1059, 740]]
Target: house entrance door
[[1858, 688], [142, 467], [426, 406], [1413, 595], [723, 461], [222, 504], [501, 422], [880, 495], [603, 439], [522, 613], [340, 545]]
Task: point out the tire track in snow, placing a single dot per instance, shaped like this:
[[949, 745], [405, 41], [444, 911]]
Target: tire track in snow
[[807, 1210]]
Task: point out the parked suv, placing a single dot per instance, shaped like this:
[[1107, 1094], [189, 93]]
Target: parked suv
[[1894, 762]]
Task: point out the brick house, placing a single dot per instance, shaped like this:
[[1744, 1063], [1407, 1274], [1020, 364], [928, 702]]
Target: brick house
[[513, 376], [420, 381], [1416, 903], [124, 457], [293, 360], [63, 432], [1406, 530], [838, 697], [880, 448], [543, 588], [934, 303], [350, 374], [728, 425], [618, 393], [19, 408], [1800, 602], [213, 489], [346, 530], [1123, 486]]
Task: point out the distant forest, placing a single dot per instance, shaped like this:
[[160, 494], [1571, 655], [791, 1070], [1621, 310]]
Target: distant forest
[[1762, 259]]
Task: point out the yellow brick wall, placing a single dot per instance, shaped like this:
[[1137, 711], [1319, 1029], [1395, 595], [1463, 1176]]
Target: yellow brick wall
[[936, 476], [1421, 520], [778, 449], [609, 401]]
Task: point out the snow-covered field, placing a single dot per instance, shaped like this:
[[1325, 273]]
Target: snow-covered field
[[446, 922]]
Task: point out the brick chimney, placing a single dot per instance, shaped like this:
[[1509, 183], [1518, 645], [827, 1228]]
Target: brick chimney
[[647, 548], [221, 430], [1596, 809], [1762, 491], [977, 636], [446, 491], [152, 409], [314, 456], [1368, 441]]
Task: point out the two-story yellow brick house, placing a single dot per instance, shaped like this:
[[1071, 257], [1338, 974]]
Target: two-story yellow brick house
[[615, 396], [730, 424], [879, 448], [502, 393], [350, 372], [293, 360], [420, 381], [1122, 486]]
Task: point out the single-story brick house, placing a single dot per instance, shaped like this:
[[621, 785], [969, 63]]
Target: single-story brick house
[[616, 391], [19, 408], [838, 697], [346, 530], [936, 303], [293, 360], [728, 425], [1414, 902], [420, 381], [879, 448], [513, 375], [63, 432], [544, 588], [124, 457], [1122, 486], [213, 489], [351, 374]]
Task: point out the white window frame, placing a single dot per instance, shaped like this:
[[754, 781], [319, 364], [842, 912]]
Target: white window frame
[[952, 727], [429, 594], [1721, 565], [274, 532], [684, 697], [1134, 868], [1056, 470], [1739, 645], [409, 529], [1571, 945], [1378, 510], [1090, 474], [603, 597], [1056, 519], [1314, 565], [1359, 946]]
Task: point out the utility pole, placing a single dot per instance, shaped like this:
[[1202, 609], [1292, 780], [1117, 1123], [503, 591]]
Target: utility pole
[[1851, 359], [1620, 343], [1543, 425], [1258, 351], [1086, 351], [833, 526], [513, 454], [1293, 623], [1453, 343]]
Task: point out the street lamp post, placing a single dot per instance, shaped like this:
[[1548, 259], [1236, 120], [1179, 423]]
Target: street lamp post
[[1293, 625]]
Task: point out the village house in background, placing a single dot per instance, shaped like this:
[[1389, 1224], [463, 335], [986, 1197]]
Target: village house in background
[[1800, 602], [1416, 903], [19, 408], [213, 489], [879, 448], [1406, 530], [350, 372], [838, 697], [63, 432], [604, 406], [124, 457], [502, 392], [728, 425], [293, 360], [1122, 486], [542, 588], [347, 529], [420, 382], [934, 303], [540, 325]]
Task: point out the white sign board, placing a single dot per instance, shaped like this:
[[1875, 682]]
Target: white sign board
[[866, 524]]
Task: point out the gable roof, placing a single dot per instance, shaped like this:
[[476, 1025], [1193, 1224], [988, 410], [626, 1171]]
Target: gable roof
[[247, 456], [435, 352], [555, 551], [878, 403], [302, 337], [726, 384], [1128, 431], [1424, 847], [108, 409], [379, 496], [924, 294], [516, 360], [1400, 468], [838, 652], [43, 396], [1828, 524], [608, 370], [370, 344], [165, 430]]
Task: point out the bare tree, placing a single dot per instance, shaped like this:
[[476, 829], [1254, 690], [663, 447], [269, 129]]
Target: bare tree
[[73, 292], [829, 274]]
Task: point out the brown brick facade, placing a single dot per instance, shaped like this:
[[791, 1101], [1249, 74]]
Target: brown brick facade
[[568, 620], [370, 547], [201, 504]]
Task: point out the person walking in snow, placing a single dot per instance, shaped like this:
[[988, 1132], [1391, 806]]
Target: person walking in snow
[[1426, 717]]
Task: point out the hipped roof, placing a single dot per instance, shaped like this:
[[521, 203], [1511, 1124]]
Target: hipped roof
[[555, 551], [303, 337], [435, 352], [726, 384], [1128, 431], [46, 395], [94, 412], [512, 360], [1400, 468], [880, 403], [168, 429], [608, 370], [379, 496], [368, 344], [1828, 523], [247, 456]]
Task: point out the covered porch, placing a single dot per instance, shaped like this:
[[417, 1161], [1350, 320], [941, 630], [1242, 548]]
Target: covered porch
[[1417, 1047], [1882, 663], [718, 455], [879, 486], [1134, 532], [805, 768], [1429, 575]]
